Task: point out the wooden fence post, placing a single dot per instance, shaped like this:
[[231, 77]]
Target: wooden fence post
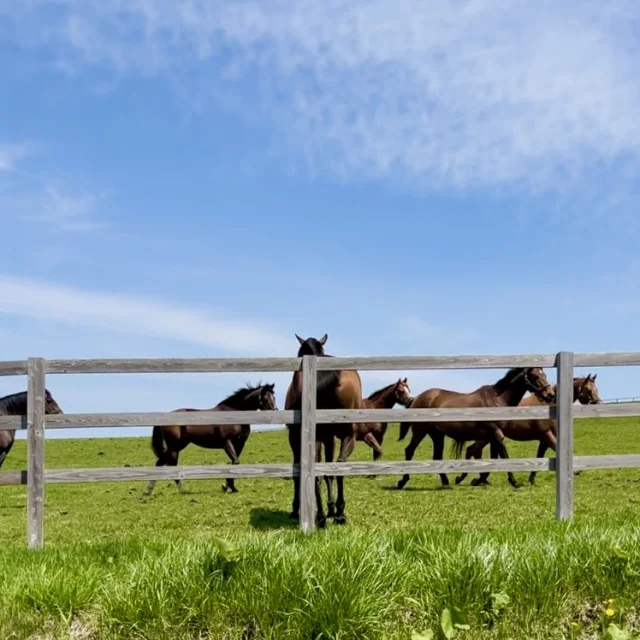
[[308, 444], [564, 425], [35, 452]]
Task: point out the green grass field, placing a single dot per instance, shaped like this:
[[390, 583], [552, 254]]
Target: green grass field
[[120, 566]]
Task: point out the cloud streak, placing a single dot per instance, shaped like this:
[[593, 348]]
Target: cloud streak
[[460, 94], [51, 302]]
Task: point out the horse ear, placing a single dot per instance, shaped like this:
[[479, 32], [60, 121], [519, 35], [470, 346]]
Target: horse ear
[[405, 380], [323, 340], [300, 340], [594, 377]]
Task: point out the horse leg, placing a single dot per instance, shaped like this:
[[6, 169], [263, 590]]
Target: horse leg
[[500, 448], [370, 439], [321, 518], [347, 445], [417, 436], [163, 462], [547, 441], [233, 451], [294, 444], [437, 438], [473, 451], [329, 452]]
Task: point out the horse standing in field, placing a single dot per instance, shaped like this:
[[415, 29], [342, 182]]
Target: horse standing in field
[[585, 391], [16, 405], [372, 433], [506, 392], [168, 442], [335, 390]]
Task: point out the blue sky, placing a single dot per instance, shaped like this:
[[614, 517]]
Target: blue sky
[[205, 179]]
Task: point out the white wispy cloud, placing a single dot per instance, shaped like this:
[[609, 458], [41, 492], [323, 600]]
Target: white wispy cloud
[[65, 212], [10, 154], [106, 312], [463, 94]]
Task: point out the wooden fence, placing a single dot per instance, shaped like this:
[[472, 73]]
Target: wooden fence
[[564, 411]]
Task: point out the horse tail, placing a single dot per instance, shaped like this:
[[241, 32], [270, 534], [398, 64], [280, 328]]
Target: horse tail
[[157, 442], [404, 429], [457, 447]]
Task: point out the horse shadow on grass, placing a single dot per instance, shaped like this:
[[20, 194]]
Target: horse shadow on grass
[[264, 519]]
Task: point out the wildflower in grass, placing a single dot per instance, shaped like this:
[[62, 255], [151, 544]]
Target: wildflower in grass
[[609, 612]]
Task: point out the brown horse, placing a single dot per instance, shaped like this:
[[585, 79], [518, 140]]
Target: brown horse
[[506, 392], [16, 405], [386, 398], [585, 391], [168, 442], [335, 390]]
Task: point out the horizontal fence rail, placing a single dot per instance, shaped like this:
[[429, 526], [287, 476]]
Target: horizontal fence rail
[[274, 470], [323, 416], [308, 470], [378, 363]]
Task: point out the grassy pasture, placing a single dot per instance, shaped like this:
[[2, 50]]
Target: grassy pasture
[[119, 566]]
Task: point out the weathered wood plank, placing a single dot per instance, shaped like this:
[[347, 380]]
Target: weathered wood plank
[[625, 461], [394, 363], [208, 472], [35, 452], [564, 449], [308, 444], [610, 359], [381, 363], [71, 421], [78, 420], [13, 368], [174, 365], [13, 477]]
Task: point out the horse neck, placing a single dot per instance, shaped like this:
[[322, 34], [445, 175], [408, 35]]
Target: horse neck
[[15, 404], [512, 393], [385, 400]]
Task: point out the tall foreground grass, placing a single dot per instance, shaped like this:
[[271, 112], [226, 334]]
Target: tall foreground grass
[[511, 583]]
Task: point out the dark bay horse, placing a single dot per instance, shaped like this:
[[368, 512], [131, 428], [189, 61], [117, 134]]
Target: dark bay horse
[[372, 433], [585, 391], [168, 442], [506, 392], [335, 390], [16, 405]]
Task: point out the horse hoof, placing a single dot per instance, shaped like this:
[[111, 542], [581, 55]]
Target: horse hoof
[[400, 485], [342, 519], [331, 512], [321, 523], [517, 485], [224, 488], [459, 479]]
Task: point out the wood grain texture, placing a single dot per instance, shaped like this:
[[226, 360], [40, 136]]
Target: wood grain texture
[[564, 449], [380, 363], [78, 420], [174, 365], [308, 444], [35, 452], [393, 363], [13, 368], [610, 359], [116, 474], [71, 420], [13, 477]]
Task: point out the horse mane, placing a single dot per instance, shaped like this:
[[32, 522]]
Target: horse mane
[[507, 379], [376, 394], [15, 403], [240, 395]]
